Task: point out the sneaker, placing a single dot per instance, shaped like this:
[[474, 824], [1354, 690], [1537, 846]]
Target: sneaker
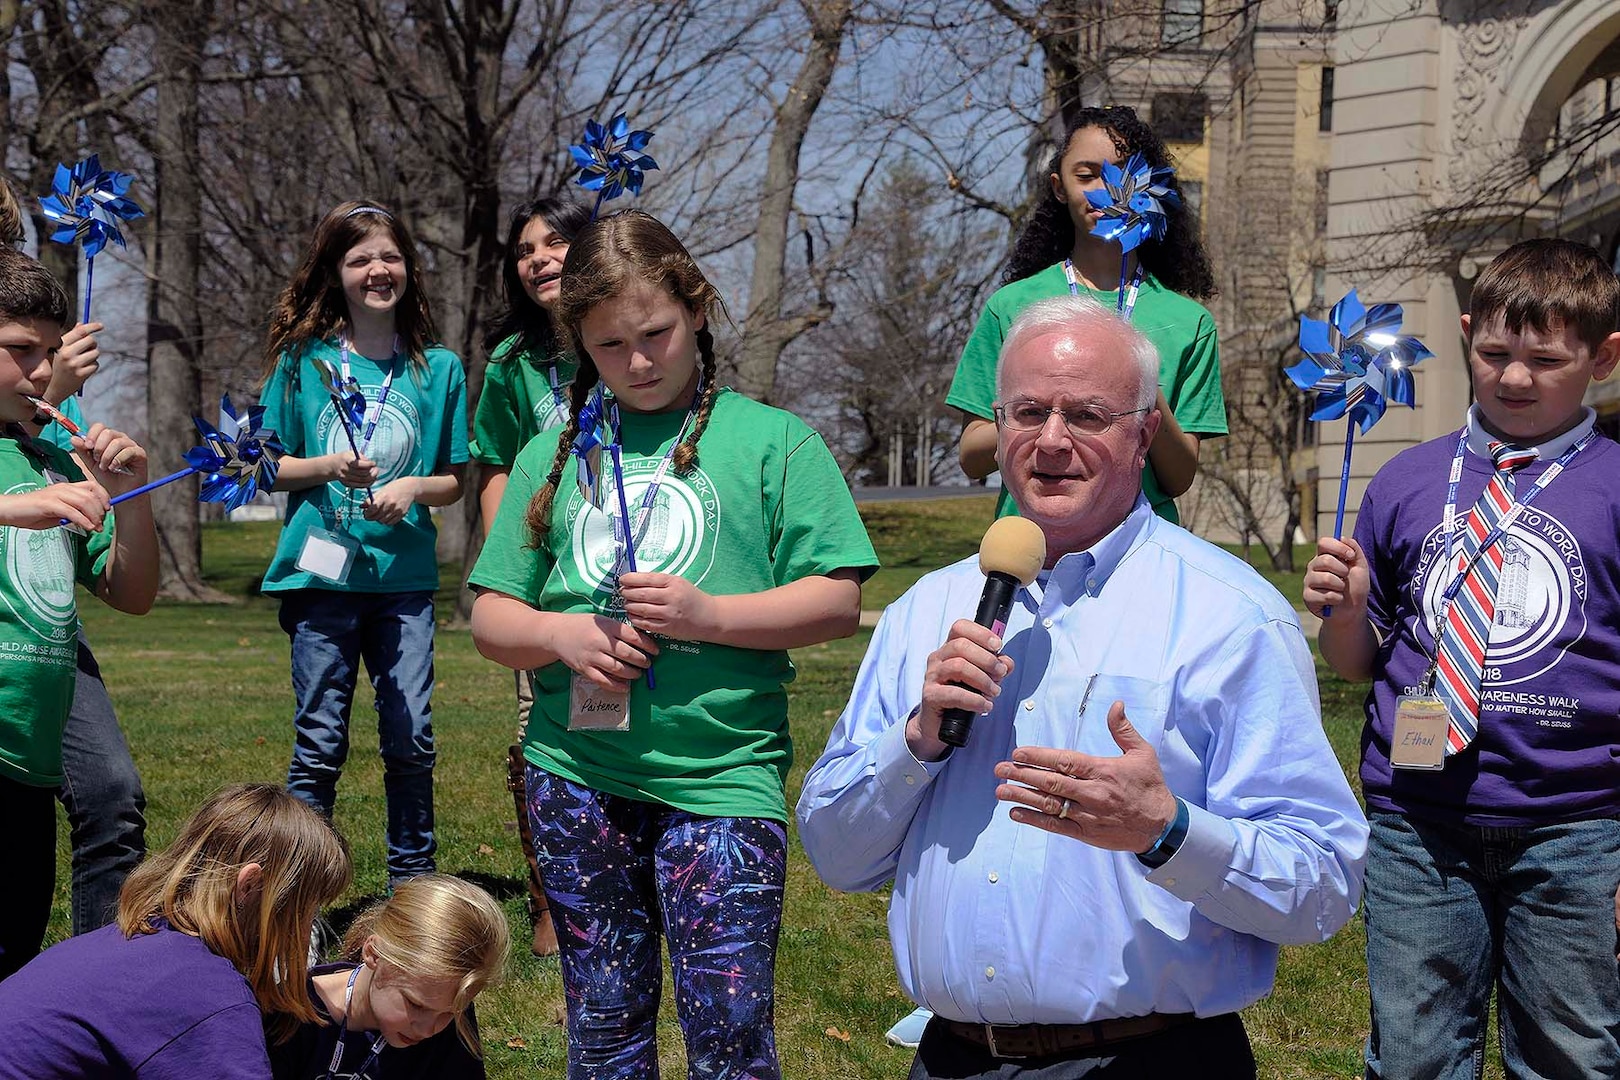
[[909, 1031]]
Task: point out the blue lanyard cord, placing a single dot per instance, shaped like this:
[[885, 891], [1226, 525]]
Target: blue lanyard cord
[[382, 396], [1128, 305], [343, 1037], [1508, 517], [632, 536], [557, 398]]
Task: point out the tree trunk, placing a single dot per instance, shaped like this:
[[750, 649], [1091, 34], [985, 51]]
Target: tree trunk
[[175, 333], [768, 330]]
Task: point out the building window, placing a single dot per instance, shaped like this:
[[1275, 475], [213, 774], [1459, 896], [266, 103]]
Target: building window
[[1183, 22], [1180, 117], [1324, 108]]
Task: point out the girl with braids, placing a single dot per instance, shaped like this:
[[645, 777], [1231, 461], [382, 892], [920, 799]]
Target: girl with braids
[[669, 818], [525, 392], [355, 566], [1055, 254]]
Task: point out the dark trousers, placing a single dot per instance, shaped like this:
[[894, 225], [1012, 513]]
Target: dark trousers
[[101, 792], [29, 817], [1216, 1048]]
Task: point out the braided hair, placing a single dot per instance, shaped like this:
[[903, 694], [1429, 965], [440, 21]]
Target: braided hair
[[604, 258], [1178, 260]]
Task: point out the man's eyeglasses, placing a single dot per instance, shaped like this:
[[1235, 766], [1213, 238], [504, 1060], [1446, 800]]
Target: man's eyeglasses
[[1084, 419]]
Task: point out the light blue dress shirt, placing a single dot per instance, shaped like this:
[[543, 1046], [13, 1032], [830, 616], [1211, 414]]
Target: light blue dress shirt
[[1000, 923]]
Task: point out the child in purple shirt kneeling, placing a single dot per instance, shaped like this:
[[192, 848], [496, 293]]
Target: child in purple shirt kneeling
[[212, 938]]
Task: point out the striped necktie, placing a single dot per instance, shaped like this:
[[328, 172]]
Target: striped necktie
[[1467, 630]]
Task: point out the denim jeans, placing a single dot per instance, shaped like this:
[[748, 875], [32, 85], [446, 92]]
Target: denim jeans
[[101, 792], [1453, 910], [393, 633]]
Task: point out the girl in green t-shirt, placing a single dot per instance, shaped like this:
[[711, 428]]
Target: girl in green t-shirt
[[525, 392], [355, 566], [1056, 253], [659, 810]]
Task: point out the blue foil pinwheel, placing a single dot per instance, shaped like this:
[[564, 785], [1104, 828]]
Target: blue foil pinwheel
[[86, 204], [347, 398], [1356, 363], [589, 442], [237, 459], [1132, 202], [1131, 207], [611, 161]]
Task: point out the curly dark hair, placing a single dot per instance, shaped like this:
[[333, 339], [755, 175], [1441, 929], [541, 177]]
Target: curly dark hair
[[522, 317], [1179, 261]]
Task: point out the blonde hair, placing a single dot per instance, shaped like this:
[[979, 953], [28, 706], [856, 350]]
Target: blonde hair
[[602, 262], [438, 927], [11, 219], [192, 886]]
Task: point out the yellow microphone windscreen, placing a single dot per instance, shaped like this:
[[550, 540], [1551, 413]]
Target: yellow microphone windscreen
[[1013, 546]]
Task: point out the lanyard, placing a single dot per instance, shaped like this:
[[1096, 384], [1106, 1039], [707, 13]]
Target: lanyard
[[650, 496], [375, 412], [558, 403], [1130, 295], [1497, 532], [343, 1036]]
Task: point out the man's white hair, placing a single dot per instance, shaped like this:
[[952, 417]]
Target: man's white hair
[[1082, 316]]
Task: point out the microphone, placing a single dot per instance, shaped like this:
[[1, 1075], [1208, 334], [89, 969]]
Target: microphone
[[1010, 555]]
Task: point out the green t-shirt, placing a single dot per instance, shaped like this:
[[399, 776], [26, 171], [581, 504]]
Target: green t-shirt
[[1182, 329], [765, 505], [421, 430], [39, 619], [524, 394], [59, 436]]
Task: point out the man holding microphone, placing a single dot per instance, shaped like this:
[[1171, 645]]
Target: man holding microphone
[[1145, 806]]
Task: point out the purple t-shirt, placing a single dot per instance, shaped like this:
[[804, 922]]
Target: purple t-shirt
[[1548, 748], [156, 1006]]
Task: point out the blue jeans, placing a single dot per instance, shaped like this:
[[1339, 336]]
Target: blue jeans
[[393, 633], [1453, 910], [101, 792]]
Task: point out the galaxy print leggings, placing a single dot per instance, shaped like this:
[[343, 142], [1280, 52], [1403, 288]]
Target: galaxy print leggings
[[620, 873]]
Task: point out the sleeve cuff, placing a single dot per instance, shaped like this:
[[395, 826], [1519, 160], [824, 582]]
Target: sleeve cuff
[[1203, 859], [897, 768]]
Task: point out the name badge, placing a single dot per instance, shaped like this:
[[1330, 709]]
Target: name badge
[[1420, 733], [328, 555], [592, 708]]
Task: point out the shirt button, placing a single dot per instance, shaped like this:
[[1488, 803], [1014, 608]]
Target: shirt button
[[910, 779], [1169, 881], [1047, 623], [989, 972], [1029, 705], [1091, 583], [994, 877]]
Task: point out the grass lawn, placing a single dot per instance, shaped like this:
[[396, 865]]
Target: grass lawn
[[204, 695]]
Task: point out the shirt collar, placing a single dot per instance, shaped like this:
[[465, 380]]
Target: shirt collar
[[1479, 440], [1091, 569]]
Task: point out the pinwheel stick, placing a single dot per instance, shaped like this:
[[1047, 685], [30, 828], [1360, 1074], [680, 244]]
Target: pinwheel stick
[[343, 418], [1124, 264], [155, 484], [89, 278], [1344, 491], [629, 539]]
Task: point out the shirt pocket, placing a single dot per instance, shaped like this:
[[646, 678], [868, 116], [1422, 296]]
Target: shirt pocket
[[1147, 704]]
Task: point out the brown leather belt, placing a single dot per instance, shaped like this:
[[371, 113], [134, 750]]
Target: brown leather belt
[[1045, 1040]]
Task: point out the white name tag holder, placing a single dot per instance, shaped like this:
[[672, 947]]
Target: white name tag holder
[[592, 708], [328, 555]]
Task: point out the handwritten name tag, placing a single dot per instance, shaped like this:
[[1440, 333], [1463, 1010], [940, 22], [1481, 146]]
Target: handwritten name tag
[[1420, 733], [591, 708]]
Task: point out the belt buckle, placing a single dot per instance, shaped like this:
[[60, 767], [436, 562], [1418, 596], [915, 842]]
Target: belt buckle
[[995, 1052]]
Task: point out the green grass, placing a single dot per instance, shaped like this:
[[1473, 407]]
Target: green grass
[[204, 696]]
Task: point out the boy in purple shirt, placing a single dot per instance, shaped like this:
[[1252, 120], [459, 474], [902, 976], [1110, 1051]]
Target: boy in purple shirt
[[1491, 751]]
